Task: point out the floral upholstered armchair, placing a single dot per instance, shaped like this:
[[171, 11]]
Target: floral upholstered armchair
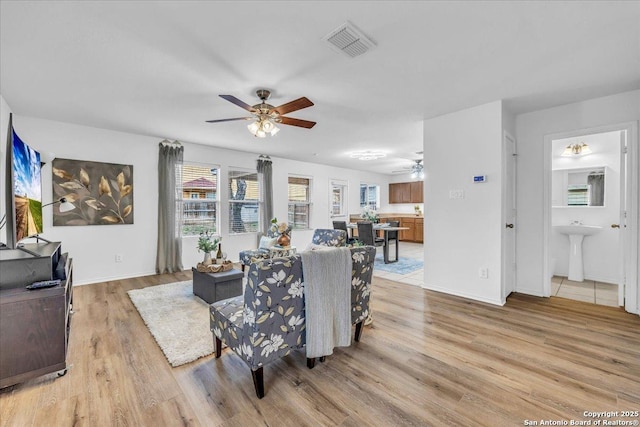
[[269, 320], [249, 255], [362, 258], [329, 237]]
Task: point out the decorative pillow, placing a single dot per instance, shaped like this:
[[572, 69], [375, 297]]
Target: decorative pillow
[[267, 242]]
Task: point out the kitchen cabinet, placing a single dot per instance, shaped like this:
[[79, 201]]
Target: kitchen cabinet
[[406, 192], [419, 232], [407, 235], [400, 192], [415, 189]]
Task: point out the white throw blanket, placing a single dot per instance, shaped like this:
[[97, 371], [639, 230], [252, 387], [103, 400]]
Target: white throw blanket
[[327, 292]]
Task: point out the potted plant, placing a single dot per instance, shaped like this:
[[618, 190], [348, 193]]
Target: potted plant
[[207, 243], [369, 214]]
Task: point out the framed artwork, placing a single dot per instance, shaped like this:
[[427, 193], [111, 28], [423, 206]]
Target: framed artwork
[[102, 193]]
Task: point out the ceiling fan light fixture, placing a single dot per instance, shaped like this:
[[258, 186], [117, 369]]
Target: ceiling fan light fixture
[[267, 125], [253, 127]]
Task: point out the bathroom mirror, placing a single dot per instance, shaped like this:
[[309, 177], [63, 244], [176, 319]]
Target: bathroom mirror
[[582, 187]]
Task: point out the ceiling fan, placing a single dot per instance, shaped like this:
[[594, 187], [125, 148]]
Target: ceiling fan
[[416, 169], [266, 116]]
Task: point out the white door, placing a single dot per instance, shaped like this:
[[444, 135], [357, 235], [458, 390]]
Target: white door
[[509, 216], [623, 239], [338, 204]]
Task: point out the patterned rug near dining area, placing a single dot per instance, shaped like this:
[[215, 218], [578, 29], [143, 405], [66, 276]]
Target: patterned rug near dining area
[[403, 266]]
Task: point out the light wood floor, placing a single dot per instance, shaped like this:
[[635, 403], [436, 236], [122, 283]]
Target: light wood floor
[[428, 359]]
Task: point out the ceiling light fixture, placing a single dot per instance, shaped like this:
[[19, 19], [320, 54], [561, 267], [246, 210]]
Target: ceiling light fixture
[[367, 155], [576, 150], [417, 170], [263, 126]]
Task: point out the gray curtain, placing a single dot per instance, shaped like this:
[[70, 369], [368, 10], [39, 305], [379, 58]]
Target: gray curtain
[[596, 185], [266, 188], [169, 254]]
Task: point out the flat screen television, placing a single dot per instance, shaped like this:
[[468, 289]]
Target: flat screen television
[[24, 198]]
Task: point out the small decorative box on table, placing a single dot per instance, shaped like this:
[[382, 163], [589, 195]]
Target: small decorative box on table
[[213, 287]]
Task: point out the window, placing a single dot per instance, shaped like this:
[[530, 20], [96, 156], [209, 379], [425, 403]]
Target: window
[[369, 196], [299, 202], [244, 202], [338, 198], [199, 199]]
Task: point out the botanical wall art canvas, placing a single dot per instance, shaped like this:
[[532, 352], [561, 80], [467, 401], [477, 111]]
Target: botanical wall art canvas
[[101, 192]]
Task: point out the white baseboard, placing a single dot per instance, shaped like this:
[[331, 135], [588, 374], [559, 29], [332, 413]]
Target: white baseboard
[[533, 292], [111, 278], [463, 294]]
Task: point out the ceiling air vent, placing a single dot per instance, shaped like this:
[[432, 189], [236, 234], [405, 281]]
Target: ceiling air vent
[[349, 40]]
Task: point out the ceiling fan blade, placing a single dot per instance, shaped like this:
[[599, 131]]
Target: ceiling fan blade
[[297, 122], [229, 120], [239, 103], [295, 105]]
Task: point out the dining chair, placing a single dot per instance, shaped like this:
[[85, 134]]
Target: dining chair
[[342, 225], [366, 234], [392, 236]]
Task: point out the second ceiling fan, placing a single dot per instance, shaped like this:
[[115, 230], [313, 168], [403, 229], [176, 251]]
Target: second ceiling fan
[[266, 116]]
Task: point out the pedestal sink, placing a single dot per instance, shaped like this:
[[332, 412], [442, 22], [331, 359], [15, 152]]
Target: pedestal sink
[[576, 233]]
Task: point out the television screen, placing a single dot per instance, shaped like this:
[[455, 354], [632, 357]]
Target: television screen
[[27, 189]]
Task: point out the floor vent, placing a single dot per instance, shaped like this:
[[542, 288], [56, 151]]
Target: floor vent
[[349, 40]]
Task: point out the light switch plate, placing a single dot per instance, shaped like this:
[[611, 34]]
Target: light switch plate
[[456, 194]]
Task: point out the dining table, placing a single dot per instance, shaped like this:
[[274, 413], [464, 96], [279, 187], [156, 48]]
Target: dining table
[[385, 228]]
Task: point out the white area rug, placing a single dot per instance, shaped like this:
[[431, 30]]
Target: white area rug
[[177, 319]]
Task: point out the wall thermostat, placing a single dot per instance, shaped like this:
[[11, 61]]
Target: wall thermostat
[[479, 178]]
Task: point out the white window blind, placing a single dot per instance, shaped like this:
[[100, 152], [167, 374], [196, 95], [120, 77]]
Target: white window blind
[[244, 201], [299, 202], [199, 199]]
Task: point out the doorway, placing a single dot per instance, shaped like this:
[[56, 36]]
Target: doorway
[[590, 210]]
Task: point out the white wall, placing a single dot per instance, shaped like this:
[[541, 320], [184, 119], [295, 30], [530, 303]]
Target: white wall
[[94, 247], [531, 131], [4, 123], [464, 235], [600, 251]]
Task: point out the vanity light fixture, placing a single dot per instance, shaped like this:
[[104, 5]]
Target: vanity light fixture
[[367, 155], [576, 150]]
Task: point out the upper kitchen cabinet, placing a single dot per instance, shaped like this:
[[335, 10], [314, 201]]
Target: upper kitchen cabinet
[[406, 192]]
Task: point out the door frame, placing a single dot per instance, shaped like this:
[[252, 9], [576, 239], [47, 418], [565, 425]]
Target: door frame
[[508, 260], [631, 251]]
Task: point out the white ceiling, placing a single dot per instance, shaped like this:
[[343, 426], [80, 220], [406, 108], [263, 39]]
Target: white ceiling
[[157, 68]]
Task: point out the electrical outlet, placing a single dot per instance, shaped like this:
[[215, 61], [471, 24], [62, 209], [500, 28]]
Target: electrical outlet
[[483, 273], [118, 257]]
